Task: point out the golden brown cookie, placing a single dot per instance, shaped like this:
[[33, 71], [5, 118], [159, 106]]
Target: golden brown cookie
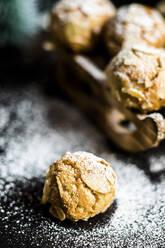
[[137, 77], [134, 24], [78, 23], [79, 186]]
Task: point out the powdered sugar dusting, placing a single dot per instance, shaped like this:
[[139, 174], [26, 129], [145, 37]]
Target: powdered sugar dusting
[[88, 160], [139, 18], [89, 8], [37, 130]]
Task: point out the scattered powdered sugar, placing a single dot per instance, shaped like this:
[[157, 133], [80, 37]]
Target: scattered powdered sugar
[[35, 130]]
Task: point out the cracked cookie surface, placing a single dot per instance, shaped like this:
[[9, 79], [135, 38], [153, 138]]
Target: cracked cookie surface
[[79, 186], [135, 23], [77, 24], [136, 77]]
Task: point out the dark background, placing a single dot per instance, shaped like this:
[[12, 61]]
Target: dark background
[[37, 124]]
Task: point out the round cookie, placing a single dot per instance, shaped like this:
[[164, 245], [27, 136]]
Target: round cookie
[[79, 186], [137, 77], [135, 23], [78, 23]]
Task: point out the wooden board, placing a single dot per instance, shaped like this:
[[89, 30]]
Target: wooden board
[[86, 84]]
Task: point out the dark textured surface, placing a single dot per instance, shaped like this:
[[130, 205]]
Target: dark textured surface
[[35, 129]]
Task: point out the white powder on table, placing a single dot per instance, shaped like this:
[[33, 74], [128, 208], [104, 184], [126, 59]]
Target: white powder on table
[[36, 130]]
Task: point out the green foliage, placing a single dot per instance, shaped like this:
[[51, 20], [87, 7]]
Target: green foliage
[[19, 21]]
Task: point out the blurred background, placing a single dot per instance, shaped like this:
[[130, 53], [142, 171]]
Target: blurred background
[[20, 45]]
